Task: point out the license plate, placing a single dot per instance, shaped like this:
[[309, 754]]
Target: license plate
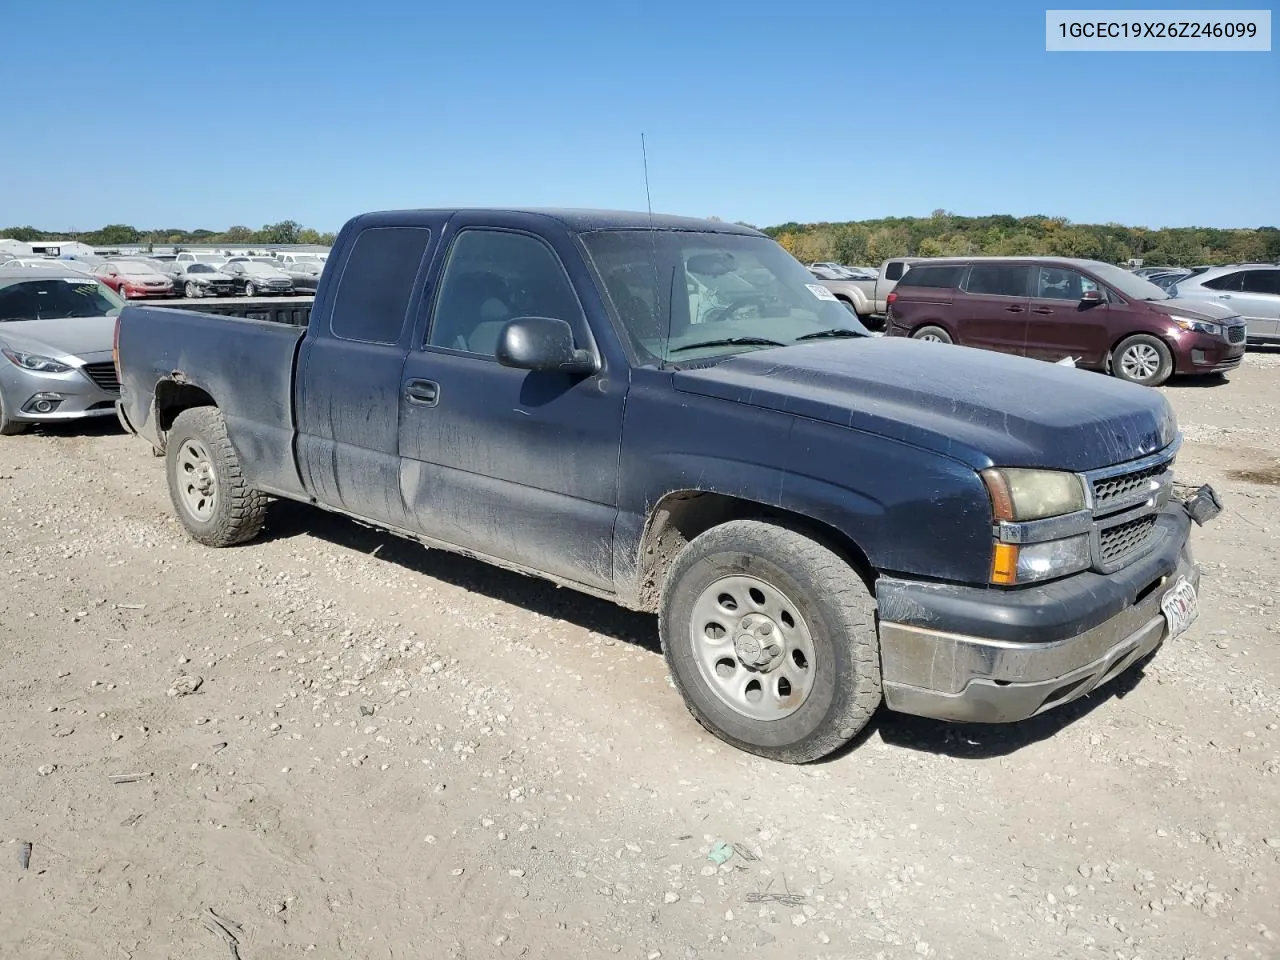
[[1180, 606]]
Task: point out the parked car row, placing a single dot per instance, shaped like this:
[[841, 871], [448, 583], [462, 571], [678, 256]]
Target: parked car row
[[1103, 317]]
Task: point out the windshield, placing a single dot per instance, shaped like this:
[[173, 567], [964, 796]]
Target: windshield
[[56, 299], [673, 290], [200, 268], [1129, 284], [134, 267], [259, 269]]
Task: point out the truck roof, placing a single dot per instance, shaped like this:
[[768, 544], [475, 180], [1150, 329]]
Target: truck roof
[[577, 220]]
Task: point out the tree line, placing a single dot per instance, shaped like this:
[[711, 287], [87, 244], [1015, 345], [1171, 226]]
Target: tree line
[[123, 235], [945, 234]]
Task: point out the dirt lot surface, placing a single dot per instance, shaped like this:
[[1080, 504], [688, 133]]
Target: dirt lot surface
[[391, 752]]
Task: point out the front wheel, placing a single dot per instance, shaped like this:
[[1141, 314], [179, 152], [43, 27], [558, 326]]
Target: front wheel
[[206, 484], [250, 290], [1143, 359], [191, 291], [771, 640], [932, 334], [10, 428]]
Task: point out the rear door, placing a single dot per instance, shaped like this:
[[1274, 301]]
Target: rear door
[[516, 465], [1059, 325], [1259, 301], [348, 381], [991, 310]]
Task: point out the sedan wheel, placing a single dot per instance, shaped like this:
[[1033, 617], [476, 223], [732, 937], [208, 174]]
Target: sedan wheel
[[250, 290], [191, 291]]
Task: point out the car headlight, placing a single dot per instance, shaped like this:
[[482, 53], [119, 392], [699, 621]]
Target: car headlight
[[1019, 495], [34, 362], [1041, 527], [1199, 326]]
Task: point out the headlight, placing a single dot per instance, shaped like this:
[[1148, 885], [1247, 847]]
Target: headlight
[[34, 362], [1199, 326], [1019, 495], [1029, 562], [1042, 525]]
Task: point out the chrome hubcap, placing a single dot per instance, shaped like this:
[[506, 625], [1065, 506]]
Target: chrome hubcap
[[1140, 361], [198, 482], [753, 648], [931, 338]]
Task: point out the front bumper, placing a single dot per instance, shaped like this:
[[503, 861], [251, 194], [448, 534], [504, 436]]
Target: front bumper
[[72, 395], [1201, 353], [991, 656], [145, 293]]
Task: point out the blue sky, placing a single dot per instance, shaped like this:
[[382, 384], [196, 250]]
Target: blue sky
[[174, 114]]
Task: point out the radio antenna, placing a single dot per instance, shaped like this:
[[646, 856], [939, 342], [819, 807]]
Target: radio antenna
[[653, 253]]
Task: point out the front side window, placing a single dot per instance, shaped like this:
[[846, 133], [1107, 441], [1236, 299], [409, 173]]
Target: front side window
[[681, 295], [999, 279], [1228, 281], [494, 276], [1059, 283]]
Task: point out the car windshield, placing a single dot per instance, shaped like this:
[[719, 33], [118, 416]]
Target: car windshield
[[1129, 284], [259, 269], [698, 295], [200, 268], [58, 298], [135, 267]]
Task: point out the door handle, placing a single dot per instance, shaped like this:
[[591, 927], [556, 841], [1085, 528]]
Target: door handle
[[425, 393], [1041, 310], [1013, 309], [1224, 296]]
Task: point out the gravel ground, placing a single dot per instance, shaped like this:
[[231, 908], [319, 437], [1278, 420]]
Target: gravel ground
[[347, 746]]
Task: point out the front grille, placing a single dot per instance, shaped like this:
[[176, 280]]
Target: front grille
[[1236, 334], [1115, 489], [1116, 543], [104, 375]]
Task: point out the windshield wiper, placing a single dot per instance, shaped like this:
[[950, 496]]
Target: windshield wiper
[[828, 334], [730, 342]]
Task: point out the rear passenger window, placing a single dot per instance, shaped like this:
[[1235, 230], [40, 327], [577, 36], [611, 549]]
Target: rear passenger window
[[894, 270], [939, 276], [999, 280], [377, 282], [1261, 281]]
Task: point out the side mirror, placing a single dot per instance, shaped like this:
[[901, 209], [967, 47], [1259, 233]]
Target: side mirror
[[542, 343], [1093, 296]]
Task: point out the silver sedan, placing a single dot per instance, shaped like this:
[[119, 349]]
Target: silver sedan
[[56, 335]]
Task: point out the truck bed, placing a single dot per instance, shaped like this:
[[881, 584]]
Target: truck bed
[[241, 351]]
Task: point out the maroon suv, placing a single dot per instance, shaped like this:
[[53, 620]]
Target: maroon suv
[[1051, 308]]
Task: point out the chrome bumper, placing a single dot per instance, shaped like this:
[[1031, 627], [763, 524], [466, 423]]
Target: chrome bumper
[[949, 676]]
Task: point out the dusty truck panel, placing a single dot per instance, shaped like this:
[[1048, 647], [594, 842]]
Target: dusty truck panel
[[668, 413]]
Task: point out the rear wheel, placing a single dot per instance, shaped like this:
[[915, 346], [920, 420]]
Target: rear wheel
[[932, 334], [206, 484], [1142, 359], [771, 640]]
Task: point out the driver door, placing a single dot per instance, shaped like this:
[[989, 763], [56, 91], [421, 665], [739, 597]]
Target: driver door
[[1060, 325], [515, 465]]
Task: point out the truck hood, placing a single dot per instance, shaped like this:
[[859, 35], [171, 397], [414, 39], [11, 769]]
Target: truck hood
[[60, 339], [979, 407]]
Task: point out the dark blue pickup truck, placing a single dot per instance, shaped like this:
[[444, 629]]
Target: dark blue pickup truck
[[671, 413]]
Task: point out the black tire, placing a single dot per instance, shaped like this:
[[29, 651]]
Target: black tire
[[831, 601], [931, 332], [10, 428], [191, 291], [236, 511], [1141, 353], [249, 290]]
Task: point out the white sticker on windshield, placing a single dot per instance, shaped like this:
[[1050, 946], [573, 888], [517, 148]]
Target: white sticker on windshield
[[821, 292]]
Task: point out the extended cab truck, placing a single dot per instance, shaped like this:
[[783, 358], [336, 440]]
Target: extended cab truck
[[671, 414], [869, 298]]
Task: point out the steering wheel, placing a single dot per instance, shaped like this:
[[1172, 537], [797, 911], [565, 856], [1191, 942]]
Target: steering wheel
[[727, 312]]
